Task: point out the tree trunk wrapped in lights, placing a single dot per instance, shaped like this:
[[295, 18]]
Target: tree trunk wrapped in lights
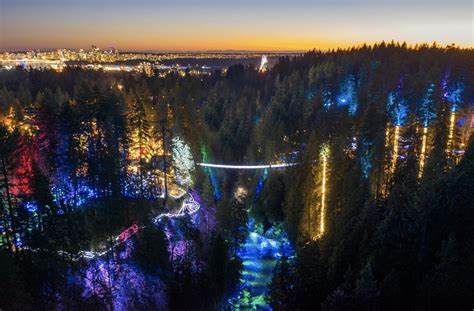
[[423, 151], [318, 199], [426, 115], [396, 140], [452, 118], [324, 154], [398, 110]]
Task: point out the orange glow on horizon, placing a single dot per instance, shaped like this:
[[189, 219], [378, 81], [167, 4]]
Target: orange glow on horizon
[[230, 25], [155, 42]]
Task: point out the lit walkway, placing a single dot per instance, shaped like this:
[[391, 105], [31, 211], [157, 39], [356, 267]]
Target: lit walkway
[[247, 167]]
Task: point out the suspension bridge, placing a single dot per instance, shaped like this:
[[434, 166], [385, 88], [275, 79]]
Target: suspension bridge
[[248, 167]]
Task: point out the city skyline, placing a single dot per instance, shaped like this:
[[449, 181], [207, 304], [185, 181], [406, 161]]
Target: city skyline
[[211, 25]]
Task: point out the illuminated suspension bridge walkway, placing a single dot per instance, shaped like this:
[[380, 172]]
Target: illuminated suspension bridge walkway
[[248, 167]]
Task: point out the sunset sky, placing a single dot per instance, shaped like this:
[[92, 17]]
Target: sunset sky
[[187, 25]]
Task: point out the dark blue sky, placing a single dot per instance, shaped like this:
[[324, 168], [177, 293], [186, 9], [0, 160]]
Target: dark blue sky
[[231, 24]]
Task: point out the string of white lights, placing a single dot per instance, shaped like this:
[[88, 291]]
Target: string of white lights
[[189, 206], [247, 167]]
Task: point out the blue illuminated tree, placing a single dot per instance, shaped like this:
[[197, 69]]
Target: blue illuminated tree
[[426, 109], [397, 109], [452, 93], [348, 95]]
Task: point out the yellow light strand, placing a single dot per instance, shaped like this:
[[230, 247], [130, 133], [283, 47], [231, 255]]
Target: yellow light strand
[[387, 135], [396, 137], [423, 152], [323, 198], [322, 214], [451, 131]]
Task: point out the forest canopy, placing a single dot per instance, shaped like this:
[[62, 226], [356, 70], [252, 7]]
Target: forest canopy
[[377, 203]]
